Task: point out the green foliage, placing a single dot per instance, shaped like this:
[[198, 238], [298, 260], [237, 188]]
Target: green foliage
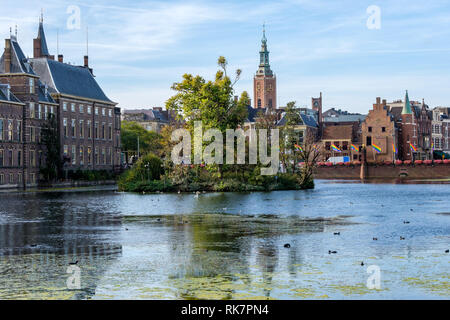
[[149, 141], [211, 102], [148, 168], [49, 136]]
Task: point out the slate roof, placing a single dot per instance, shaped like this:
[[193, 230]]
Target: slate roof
[[68, 79], [19, 63], [338, 133], [44, 96], [346, 118], [149, 114], [307, 120], [253, 112]]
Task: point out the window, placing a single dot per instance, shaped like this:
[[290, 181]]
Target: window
[[96, 130], [369, 141], [45, 113], [110, 131], [64, 106], [65, 127], [96, 156], [345, 145], [10, 158], [370, 129], [1, 129], [103, 156], [73, 127], [259, 103], [32, 158], [19, 158], [19, 131], [270, 103], [19, 178], [72, 107], [66, 150], [96, 110], [110, 156], [32, 134], [81, 129], [89, 129], [81, 109], [89, 151], [73, 155], [2, 158], [103, 131], [39, 111], [10, 130], [103, 112], [89, 111], [110, 113], [2, 179], [327, 145], [32, 112], [31, 83], [383, 129], [81, 156]]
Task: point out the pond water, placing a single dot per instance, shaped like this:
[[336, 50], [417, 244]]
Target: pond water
[[228, 245]]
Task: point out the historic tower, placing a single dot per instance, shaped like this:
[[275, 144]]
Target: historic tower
[[264, 82]]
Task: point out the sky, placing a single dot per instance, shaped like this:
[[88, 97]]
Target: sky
[[343, 49]]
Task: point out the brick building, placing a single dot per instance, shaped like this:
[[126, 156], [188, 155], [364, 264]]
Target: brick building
[[153, 119], [264, 81], [379, 130], [32, 89]]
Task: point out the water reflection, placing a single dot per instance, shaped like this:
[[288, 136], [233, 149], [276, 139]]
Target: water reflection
[[228, 245]]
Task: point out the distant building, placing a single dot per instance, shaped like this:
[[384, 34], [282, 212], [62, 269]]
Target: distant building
[[440, 131], [264, 81], [153, 119], [379, 130]]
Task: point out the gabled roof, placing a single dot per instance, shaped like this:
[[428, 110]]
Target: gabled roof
[[19, 63], [253, 112], [149, 114], [68, 79], [44, 95]]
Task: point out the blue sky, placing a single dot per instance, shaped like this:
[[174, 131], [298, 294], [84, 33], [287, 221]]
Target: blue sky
[[139, 48]]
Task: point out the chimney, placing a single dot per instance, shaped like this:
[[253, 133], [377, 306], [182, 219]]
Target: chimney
[[7, 56], [86, 61], [60, 58]]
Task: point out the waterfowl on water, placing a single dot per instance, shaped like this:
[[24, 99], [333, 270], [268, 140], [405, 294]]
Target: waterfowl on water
[[405, 222], [287, 245], [73, 263], [375, 238], [337, 233], [447, 251], [402, 238], [362, 263], [329, 251]]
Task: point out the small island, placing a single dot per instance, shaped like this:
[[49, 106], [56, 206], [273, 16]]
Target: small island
[[201, 107]]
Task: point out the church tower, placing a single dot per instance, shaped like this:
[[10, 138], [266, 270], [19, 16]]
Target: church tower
[[40, 49], [264, 81]]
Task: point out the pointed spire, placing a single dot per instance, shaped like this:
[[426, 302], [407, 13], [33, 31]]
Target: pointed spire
[[264, 33], [41, 50], [407, 105]]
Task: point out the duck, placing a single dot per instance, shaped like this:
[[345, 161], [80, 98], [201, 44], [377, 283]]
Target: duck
[[402, 238], [329, 251], [159, 219], [73, 263], [375, 239], [287, 245], [405, 222], [447, 251], [411, 209], [337, 233], [126, 229], [362, 263]]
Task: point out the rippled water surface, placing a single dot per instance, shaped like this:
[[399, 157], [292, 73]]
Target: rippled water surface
[[228, 245]]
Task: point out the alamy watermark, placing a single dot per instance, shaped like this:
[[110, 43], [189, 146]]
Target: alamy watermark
[[374, 19], [213, 152]]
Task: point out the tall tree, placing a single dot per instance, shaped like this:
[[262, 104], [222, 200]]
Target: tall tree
[[149, 141]]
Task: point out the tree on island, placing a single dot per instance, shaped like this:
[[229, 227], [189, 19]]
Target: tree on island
[[149, 141]]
